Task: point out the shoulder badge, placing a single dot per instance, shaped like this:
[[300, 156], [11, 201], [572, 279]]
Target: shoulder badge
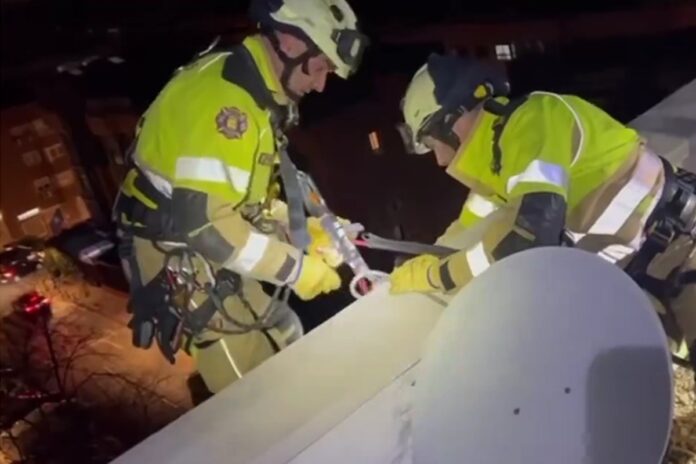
[[231, 122]]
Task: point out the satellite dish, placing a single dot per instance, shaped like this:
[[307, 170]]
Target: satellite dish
[[551, 356]]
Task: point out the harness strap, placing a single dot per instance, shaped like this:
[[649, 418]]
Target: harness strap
[[240, 69], [504, 111], [663, 224]]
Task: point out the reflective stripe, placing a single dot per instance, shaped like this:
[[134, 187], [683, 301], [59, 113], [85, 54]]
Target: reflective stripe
[[615, 253], [638, 240], [541, 172], [253, 251], [230, 358], [159, 182], [581, 143], [213, 61], [212, 170], [575, 237], [479, 206], [477, 259], [629, 197]]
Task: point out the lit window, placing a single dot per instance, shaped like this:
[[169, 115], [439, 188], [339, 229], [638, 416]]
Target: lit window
[[505, 52], [28, 214], [375, 143], [44, 188], [20, 131], [65, 179], [31, 158], [41, 128], [54, 152], [22, 135]]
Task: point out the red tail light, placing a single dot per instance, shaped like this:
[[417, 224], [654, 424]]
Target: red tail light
[[31, 308], [35, 303]]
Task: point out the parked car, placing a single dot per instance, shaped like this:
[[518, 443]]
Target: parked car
[[94, 252], [35, 244], [17, 261], [84, 243], [32, 303]]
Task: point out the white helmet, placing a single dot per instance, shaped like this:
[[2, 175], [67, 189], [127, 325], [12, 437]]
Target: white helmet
[[441, 90], [418, 105], [329, 25]]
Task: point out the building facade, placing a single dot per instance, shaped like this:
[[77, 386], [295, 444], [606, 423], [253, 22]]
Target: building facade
[[41, 191]]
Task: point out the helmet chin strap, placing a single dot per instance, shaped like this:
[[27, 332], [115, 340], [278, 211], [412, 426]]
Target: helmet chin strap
[[443, 129], [289, 64], [451, 140]]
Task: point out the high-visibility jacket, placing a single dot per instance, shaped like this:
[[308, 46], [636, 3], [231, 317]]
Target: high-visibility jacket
[[600, 173], [210, 149]]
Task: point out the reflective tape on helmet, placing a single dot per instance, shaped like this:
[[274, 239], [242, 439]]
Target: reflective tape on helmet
[[252, 252], [350, 46], [480, 206], [212, 170], [477, 259], [540, 172], [630, 196]]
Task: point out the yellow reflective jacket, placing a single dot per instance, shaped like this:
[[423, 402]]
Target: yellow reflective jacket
[[564, 145], [209, 147]]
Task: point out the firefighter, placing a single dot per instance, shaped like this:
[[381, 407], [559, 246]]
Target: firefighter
[[553, 168], [200, 229]]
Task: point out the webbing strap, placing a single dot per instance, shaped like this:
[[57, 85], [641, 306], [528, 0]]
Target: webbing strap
[[504, 111], [155, 224], [240, 69], [293, 192]]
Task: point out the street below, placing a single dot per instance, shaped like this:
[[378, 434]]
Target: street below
[[96, 360]]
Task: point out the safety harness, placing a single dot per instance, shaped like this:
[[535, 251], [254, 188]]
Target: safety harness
[[503, 111], [162, 308], [673, 216], [240, 69]]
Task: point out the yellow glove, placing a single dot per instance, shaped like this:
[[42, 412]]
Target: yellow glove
[[322, 245], [420, 274], [315, 277]]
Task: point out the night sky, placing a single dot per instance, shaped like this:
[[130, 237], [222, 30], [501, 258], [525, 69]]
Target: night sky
[[155, 36]]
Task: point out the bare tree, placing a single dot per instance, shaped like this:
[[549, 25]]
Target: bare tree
[[98, 414]]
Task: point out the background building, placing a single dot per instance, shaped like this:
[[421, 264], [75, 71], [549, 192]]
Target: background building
[[112, 121], [40, 188]]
